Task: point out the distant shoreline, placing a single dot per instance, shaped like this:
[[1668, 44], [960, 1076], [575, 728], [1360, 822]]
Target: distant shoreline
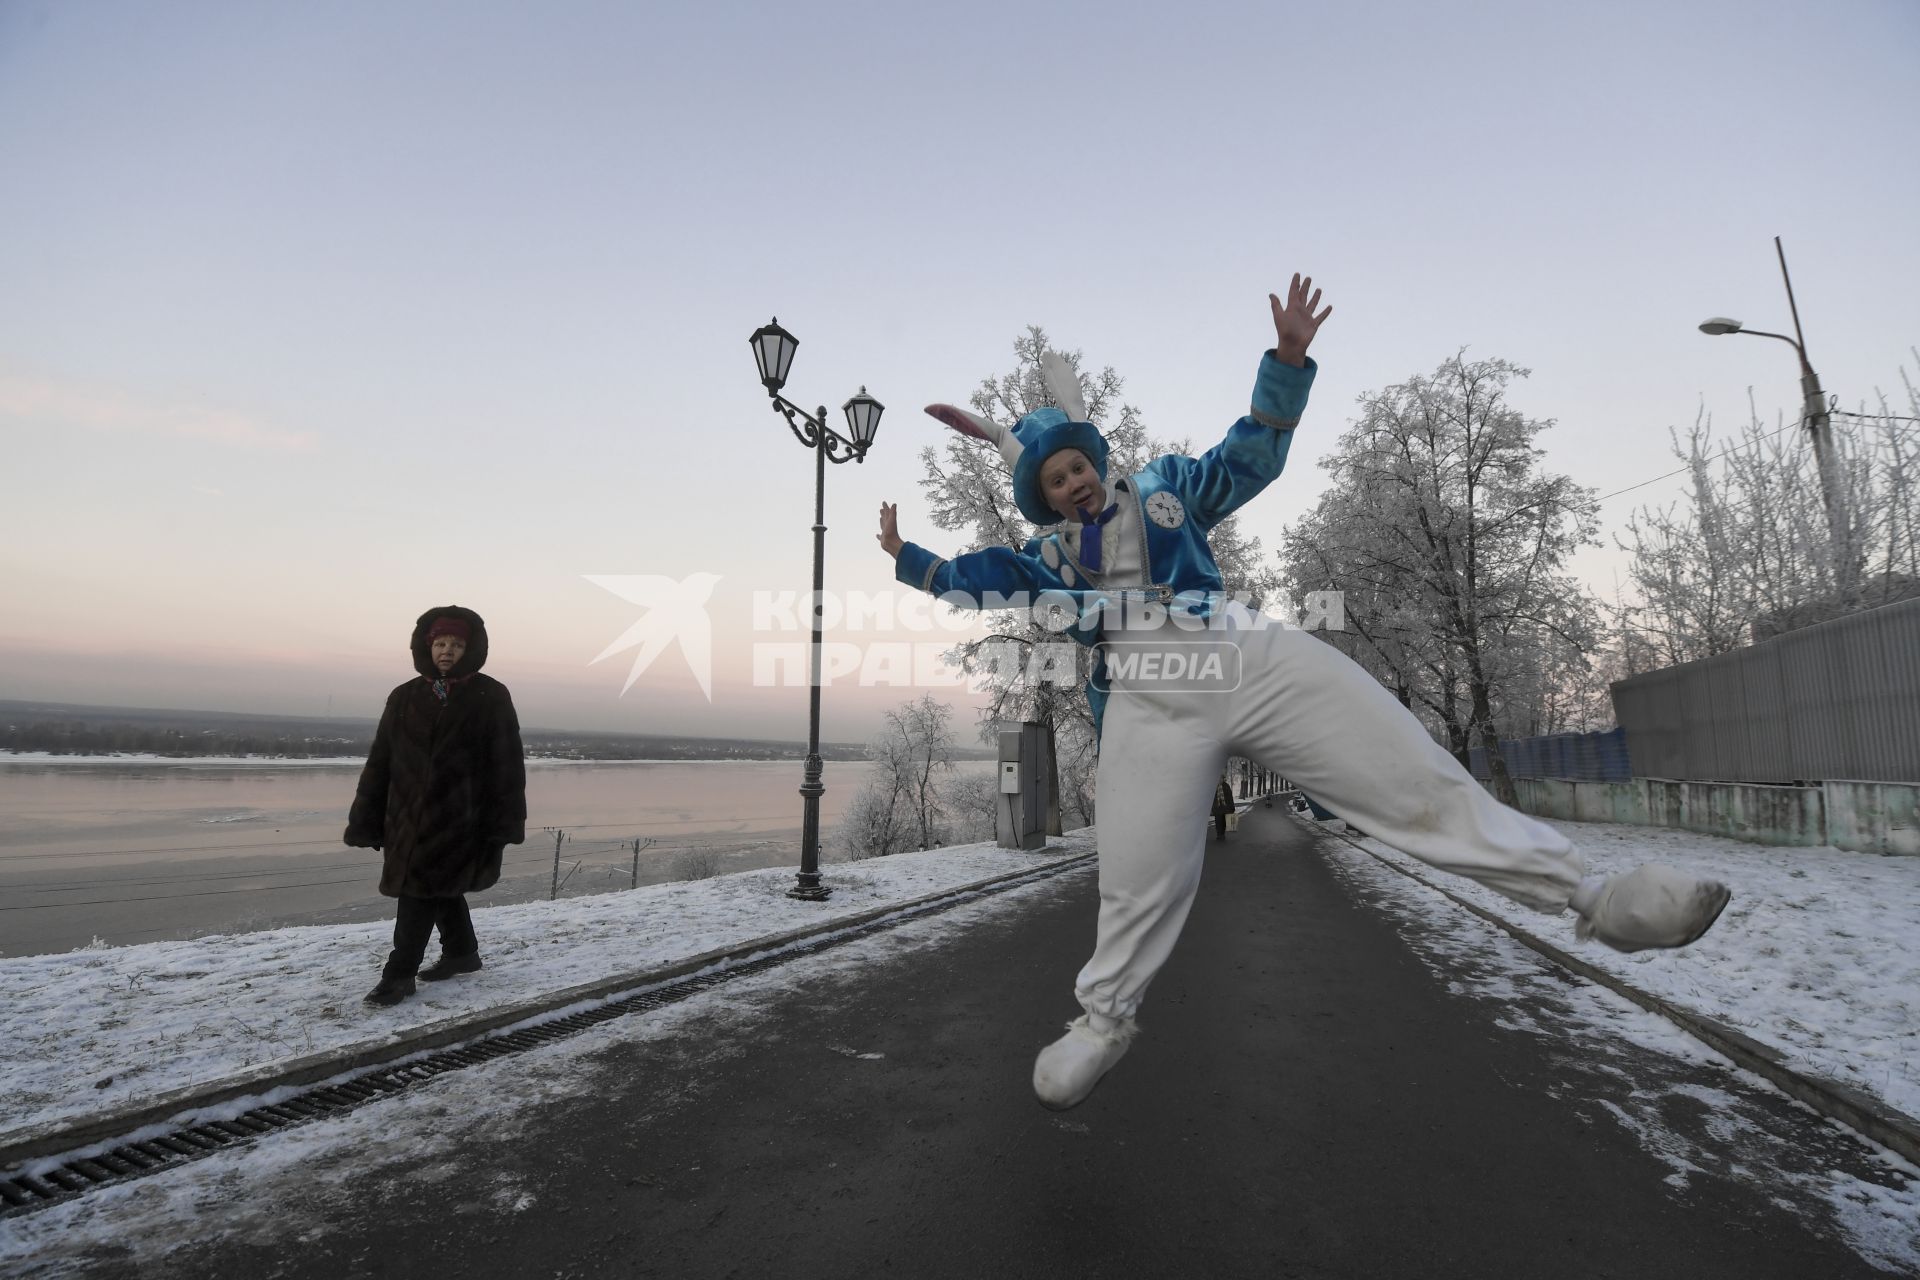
[[137, 757], [41, 732]]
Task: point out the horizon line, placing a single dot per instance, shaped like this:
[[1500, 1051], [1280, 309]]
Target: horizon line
[[363, 720]]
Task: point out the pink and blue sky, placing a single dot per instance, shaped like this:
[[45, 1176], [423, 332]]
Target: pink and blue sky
[[315, 316]]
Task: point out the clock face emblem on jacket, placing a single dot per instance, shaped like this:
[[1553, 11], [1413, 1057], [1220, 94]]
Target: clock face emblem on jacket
[[1165, 510], [1050, 552]]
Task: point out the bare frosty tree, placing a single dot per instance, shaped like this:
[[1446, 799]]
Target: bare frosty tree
[[1449, 542], [971, 803], [899, 806], [1748, 552], [1384, 630]]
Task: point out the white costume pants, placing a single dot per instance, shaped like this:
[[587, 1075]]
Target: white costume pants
[[1306, 711]]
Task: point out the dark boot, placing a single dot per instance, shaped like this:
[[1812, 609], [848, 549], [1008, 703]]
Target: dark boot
[[448, 966], [391, 991]]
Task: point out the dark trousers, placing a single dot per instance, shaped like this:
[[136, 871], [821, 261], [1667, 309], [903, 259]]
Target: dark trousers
[[1219, 826], [414, 924]]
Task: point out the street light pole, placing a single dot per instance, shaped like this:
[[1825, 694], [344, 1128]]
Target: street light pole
[[811, 785], [1818, 420], [1819, 427], [773, 349]]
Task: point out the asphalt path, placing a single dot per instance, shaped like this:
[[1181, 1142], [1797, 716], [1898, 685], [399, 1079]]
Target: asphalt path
[[1309, 1097]]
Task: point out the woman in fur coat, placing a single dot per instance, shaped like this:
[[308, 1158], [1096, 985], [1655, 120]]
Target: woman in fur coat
[[444, 791]]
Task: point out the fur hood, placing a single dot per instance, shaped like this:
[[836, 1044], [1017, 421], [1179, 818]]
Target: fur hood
[[471, 661]]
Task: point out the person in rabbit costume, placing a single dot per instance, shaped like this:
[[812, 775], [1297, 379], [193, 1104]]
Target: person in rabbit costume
[[1132, 571]]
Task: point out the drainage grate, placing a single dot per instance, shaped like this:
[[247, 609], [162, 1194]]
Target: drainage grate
[[24, 1192]]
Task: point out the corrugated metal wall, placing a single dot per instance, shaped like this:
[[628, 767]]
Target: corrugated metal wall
[[1840, 700]]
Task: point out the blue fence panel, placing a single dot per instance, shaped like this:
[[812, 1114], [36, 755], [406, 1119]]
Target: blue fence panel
[[1575, 757]]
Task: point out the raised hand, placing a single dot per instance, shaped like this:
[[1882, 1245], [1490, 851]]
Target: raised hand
[[889, 535], [1294, 321]]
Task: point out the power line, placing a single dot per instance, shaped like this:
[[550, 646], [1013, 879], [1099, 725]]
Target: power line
[[1871, 417], [1655, 480], [1732, 448], [1688, 467]]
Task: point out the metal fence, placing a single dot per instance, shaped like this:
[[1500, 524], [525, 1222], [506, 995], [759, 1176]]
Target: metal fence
[[1579, 757], [1840, 700]]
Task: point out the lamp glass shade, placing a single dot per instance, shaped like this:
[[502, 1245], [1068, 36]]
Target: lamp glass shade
[[1718, 325], [773, 349], [863, 418]]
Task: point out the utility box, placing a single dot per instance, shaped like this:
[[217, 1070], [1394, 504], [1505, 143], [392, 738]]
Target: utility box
[[1021, 818]]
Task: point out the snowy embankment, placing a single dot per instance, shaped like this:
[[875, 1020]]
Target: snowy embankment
[[1817, 955], [103, 1030]]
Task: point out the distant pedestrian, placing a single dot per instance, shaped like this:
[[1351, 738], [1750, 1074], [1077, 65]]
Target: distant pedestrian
[[1222, 806], [444, 791]]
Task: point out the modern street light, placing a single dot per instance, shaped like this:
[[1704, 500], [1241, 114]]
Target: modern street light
[[1818, 421], [773, 349]]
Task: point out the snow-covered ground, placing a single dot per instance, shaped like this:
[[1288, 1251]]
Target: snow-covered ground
[[1817, 955], [1813, 956], [100, 1030], [290, 1194]]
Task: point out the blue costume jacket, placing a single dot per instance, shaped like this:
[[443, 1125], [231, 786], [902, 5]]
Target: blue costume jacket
[[1180, 499]]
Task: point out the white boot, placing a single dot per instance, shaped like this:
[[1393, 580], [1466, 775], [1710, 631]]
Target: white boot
[[1066, 1070], [1651, 906]]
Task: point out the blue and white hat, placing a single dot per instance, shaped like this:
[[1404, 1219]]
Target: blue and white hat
[[1037, 436]]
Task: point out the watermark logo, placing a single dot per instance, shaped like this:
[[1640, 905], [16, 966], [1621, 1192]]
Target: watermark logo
[[1055, 611], [1150, 639], [676, 613], [1196, 666]]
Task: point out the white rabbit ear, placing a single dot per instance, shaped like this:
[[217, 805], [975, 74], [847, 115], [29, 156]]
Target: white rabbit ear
[[972, 424], [1063, 384]]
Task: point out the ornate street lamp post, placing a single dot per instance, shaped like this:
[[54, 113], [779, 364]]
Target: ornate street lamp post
[[1819, 430], [773, 349]]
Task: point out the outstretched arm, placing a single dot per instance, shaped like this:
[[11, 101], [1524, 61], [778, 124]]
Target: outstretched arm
[[1294, 321], [1227, 476], [987, 579]]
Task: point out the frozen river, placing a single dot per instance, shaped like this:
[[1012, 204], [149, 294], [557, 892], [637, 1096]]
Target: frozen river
[[138, 852]]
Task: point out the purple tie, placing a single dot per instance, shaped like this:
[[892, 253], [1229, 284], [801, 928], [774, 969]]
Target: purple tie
[[1090, 536]]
